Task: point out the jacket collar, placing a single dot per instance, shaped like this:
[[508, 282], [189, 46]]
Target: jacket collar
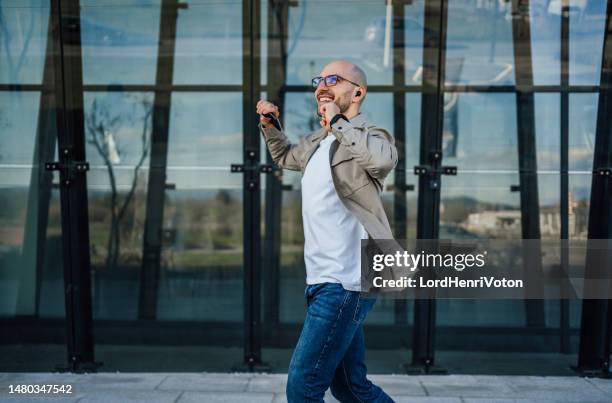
[[357, 120]]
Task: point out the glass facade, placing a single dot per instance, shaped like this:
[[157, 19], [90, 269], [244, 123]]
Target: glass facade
[[183, 247]]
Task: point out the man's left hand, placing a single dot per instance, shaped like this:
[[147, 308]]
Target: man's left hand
[[328, 111]]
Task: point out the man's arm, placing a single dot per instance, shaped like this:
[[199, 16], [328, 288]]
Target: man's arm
[[373, 148], [284, 153]]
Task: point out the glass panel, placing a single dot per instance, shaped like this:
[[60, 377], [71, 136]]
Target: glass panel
[[30, 236], [480, 131], [545, 30], [209, 43], [201, 259], [483, 55], [413, 40], [311, 43], [548, 131], [119, 41], [118, 135], [202, 266], [23, 29], [582, 126], [587, 27]]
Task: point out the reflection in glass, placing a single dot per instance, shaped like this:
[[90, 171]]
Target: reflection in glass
[[545, 29], [202, 251], [23, 30], [483, 55], [479, 206], [118, 135], [480, 131], [587, 27], [17, 143], [413, 41], [119, 41], [313, 40], [209, 43], [582, 126], [548, 131], [31, 276]]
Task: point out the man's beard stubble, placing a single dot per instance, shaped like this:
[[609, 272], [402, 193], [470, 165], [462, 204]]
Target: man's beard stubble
[[343, 104]]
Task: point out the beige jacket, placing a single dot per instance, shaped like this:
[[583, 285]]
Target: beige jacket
[[360, 161]]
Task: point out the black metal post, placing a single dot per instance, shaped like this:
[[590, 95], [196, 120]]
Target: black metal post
[[156, 189], [528, 178], [73, 188], [594, 352], [251, 189], [428, 221]]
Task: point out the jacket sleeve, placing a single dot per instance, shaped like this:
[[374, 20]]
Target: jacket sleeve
[[372, 147], [284, 153]]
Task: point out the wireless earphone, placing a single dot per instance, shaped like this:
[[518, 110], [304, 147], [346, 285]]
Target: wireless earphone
[[358, 93]]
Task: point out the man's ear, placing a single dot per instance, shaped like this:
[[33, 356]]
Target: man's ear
[[359, 93]]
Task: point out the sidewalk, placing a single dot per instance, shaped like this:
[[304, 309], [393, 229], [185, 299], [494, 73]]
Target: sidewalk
[[266, 388]]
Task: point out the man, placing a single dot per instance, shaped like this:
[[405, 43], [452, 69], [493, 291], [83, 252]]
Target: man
[[343, 167]]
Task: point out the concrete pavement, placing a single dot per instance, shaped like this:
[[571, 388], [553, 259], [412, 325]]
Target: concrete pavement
[[269, 388]]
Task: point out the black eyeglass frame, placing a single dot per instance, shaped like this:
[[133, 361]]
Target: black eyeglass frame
[[317, 80]]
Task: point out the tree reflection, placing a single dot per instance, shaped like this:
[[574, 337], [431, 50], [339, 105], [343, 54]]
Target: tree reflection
[[100, 126]]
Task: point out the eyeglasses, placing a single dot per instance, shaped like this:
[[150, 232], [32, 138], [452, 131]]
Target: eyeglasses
[[330, 81]]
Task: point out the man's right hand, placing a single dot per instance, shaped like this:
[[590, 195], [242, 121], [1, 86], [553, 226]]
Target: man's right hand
[[264, 107]]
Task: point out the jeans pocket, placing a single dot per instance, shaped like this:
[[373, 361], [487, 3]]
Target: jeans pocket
[[362, 308]]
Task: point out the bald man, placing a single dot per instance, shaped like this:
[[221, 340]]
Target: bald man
[[343, 167]]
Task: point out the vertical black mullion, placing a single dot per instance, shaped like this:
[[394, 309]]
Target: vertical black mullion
[[434, 59], [399, 132], [73, 190], [276, 68], [251, 189], [564, 179], [594, 351], [39, 194], [528, 178], [156, 189]]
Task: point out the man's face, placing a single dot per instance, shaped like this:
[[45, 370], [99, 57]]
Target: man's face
[[340, 94]]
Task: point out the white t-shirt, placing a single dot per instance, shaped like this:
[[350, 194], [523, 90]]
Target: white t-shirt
[[332, 234]]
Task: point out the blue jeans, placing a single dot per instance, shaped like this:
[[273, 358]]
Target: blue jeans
[[331, 349]]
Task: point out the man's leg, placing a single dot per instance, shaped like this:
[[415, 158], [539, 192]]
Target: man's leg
[[331, 322], [350, 383]]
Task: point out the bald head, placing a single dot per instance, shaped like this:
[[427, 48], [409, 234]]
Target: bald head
[[346, 69]]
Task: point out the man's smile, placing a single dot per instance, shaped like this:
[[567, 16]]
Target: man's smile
[[325, 97]]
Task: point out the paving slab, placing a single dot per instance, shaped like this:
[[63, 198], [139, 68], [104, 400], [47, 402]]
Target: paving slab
[[426, 399], [556, 388], [466, 386], [127, 396], [274, 383], [102, 381], [605, 385], [399, 384], [39, 399], [206, 382], [282, 398], [226, 397]]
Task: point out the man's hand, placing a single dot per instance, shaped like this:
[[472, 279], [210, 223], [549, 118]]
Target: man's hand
[[264, 107], [328, 110]]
